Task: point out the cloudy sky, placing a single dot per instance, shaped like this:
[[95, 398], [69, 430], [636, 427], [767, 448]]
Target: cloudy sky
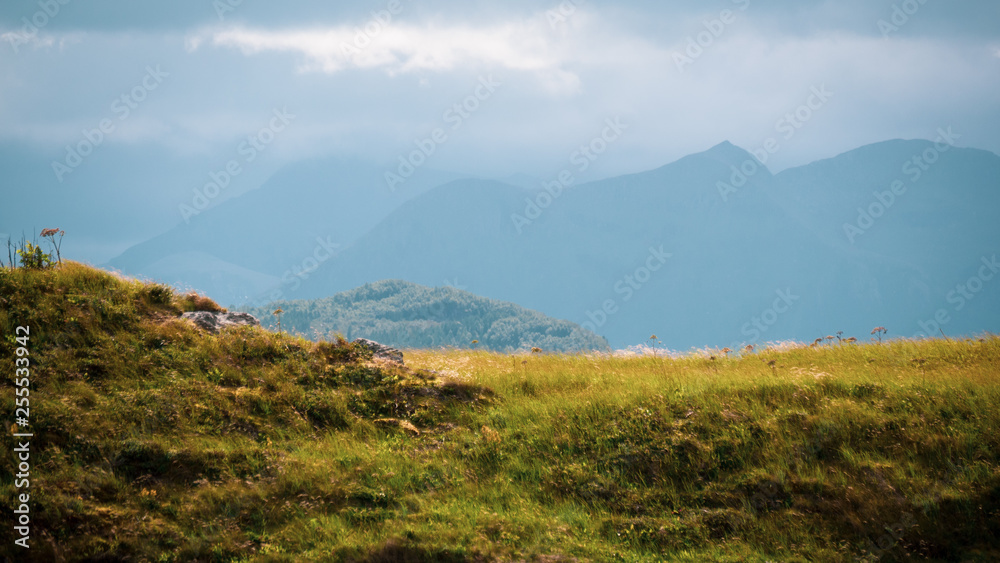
[[192, 78]]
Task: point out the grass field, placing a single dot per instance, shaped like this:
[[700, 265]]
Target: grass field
[[154, 441]]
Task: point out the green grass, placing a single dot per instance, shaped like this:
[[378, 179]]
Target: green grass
[[157, 442]]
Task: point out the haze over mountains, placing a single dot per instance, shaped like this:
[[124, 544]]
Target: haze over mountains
[[246, 248], [695, 252]]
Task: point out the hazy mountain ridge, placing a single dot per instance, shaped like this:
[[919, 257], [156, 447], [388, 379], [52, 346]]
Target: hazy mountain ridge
[[314, 207], [732, 246], [585, 244], [730, 256]]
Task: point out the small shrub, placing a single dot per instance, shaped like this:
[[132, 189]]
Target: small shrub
[[192, 302], [159, 294], [340, 351], [33, 258]]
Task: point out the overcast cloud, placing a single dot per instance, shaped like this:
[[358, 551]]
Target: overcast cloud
[[366, 85]]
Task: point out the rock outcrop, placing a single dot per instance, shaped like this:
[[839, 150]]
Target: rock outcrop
[[214, 322], [381, 351]]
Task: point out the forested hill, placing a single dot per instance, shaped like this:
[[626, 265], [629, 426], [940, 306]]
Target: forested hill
[[408, 315]]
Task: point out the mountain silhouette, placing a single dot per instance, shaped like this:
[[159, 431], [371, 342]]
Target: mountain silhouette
[[710, 250]]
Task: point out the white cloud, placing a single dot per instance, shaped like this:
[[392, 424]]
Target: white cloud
[[553, 56], [531, 46], [19, 40], [398, 48], [558, 85]]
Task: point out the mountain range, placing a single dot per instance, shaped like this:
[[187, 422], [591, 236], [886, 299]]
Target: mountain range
[[710, 250]]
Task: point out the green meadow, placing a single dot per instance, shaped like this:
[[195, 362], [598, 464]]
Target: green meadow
[[156, 441]]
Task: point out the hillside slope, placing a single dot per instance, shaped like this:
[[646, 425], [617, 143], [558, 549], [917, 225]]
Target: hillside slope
[[407, 315], [154, 441]]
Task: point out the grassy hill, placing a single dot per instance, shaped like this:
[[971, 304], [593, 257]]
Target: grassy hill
[[154, 441], [407, 315]]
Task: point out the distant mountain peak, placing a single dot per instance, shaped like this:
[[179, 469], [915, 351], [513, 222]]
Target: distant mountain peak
[[727, 151]]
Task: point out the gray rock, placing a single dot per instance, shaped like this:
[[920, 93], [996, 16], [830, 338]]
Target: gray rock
[[214, 322], [381, 351]]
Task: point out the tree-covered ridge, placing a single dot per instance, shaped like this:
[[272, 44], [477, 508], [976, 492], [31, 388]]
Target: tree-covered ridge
[[408, 315]]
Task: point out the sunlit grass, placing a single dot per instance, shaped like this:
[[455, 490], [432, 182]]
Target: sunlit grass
[[158, 442]]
